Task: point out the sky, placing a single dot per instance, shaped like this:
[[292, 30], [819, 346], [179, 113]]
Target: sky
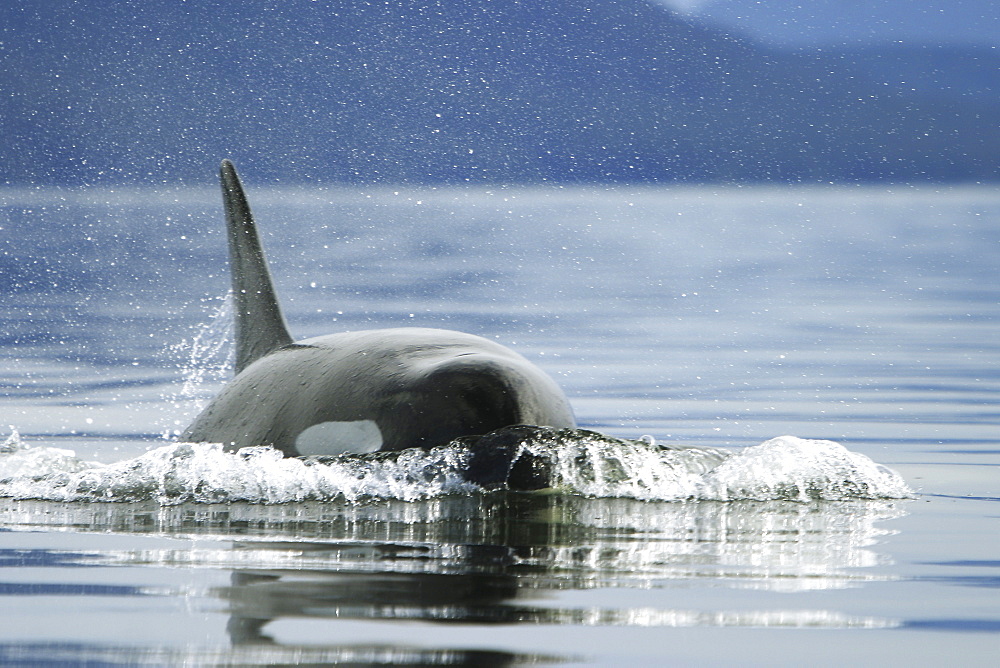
[[829, 22]]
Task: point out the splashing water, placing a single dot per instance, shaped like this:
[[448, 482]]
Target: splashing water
[[799, 469], [11, 443], [205, 358], [575, 462]]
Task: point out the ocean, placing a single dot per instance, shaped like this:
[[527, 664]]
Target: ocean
[[837, 343]]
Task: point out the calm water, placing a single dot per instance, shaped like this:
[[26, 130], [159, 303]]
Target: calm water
[[716, 317]]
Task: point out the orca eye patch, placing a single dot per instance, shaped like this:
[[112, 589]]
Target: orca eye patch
[[356, 437]]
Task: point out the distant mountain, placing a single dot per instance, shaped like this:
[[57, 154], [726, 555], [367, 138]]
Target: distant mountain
[[469, 91]]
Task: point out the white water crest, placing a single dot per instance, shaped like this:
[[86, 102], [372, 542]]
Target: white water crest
[[785, 468]]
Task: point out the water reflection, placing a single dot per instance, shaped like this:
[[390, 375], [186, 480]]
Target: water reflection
[[76, 654], [495, 559]]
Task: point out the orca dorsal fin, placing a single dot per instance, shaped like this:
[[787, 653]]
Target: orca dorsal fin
[[260, 326]]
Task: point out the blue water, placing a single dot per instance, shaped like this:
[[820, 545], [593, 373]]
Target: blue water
[[721, 317]]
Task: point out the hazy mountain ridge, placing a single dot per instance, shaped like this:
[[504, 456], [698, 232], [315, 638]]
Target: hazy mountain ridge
[[483, 90]]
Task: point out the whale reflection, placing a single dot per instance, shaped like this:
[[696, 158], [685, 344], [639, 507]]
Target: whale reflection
[[499, 558]]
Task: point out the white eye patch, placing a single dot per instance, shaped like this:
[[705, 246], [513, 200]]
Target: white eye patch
[[337, 438]]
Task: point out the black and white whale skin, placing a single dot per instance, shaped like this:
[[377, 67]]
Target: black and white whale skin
[[385, 389]]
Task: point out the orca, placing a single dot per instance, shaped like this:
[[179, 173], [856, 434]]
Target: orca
[[358, 392]]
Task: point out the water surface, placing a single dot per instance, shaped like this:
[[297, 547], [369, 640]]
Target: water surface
[[712, 317]]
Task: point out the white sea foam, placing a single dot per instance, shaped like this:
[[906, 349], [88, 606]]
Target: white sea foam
[[785, 468], [801, 469]]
